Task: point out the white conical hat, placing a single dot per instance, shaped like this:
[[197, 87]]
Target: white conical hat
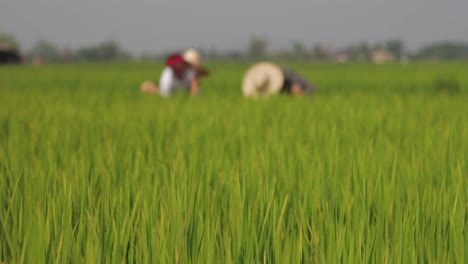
[[262, 79], [193, 57]]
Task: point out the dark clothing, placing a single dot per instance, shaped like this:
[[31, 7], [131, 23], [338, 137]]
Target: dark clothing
[[9, 56], [291, 77]]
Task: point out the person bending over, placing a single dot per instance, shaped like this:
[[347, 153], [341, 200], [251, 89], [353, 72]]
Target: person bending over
[[266, 78], [182, 72]]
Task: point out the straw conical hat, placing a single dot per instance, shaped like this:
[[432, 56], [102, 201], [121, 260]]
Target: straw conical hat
[[262, 79], [193, 57]]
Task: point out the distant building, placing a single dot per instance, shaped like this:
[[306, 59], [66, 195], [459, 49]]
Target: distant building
[[8, 54], [381, 56]]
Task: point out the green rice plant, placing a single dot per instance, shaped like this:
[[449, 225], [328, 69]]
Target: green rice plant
[[447, 84], [372, 168]]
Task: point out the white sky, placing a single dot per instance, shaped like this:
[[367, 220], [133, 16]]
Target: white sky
[[164, 25]]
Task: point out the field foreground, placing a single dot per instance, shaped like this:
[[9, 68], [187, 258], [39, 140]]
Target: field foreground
[[373, 168]]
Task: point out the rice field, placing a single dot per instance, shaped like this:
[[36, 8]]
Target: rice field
[[371, 169]]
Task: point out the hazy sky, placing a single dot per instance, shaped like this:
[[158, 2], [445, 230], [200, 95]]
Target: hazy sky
[[159, 25]]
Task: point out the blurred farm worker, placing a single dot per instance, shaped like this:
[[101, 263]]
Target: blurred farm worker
[[182, 72], [266, 78]]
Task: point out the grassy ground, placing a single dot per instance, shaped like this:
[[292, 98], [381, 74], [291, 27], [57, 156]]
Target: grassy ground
[[373, 168]]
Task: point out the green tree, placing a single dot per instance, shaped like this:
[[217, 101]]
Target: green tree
[[396, 47], [378, 46], [105, 51], [9, 41], [320, 53], [299, 52], [46, 51], [257, 47], [363, 51], [444, 51]]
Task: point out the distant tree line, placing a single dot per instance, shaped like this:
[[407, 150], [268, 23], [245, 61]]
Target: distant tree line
[[257, 48], [363, 51], [444, 51], [46, 52]]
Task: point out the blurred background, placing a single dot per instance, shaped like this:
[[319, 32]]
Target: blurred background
[[57, 31]]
